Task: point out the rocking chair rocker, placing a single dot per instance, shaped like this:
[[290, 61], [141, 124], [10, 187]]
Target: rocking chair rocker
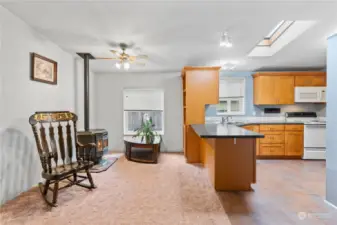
[[55, 170]]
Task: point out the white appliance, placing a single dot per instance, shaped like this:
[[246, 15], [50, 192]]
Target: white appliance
[[314, 133], [310, 94], [314, 140]]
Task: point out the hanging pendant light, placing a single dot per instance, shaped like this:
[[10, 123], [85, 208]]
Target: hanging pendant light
[[225, 40]]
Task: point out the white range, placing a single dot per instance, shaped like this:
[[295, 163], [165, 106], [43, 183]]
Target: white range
[[314, 134]]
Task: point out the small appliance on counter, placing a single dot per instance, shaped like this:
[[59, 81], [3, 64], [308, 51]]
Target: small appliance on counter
[[314, 134]]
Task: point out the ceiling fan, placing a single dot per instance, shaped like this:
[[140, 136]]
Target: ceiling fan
[[123, 59]]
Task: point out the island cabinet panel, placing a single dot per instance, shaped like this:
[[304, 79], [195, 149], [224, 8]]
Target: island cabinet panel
[[208, 157], [235, 164]]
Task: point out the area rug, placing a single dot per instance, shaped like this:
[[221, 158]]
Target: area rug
[[104, 164]]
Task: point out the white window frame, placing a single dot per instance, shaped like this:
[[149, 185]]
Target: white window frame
[[228, 99], [132, 132], [129, 108]]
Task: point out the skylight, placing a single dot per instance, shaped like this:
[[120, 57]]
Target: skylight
[[282, 34], [276, 32]]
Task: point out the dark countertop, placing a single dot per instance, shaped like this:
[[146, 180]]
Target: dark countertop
[[223, 131], [275, 123]]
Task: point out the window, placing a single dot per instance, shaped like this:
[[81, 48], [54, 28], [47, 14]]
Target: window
[[230, 106], [276, 32], [140, 102], [232, 96], [133, 120]]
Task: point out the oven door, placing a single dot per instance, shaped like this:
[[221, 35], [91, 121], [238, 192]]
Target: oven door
[[314, 136]]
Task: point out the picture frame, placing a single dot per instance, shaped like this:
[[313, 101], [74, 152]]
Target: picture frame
[[43, 69]]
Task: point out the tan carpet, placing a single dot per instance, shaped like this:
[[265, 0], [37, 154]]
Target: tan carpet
[[171, 192]]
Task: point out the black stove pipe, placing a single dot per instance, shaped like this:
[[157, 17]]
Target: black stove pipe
[[86, 58]]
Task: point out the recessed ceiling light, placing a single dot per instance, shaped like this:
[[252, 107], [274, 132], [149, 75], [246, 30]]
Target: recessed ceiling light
[[225, 40]]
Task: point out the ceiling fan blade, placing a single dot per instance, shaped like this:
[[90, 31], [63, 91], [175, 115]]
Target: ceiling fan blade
[[142, 56], [115, 52], [138, 63], [132, 58], [114, 58]]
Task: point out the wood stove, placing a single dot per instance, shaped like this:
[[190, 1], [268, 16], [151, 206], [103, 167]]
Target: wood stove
[[97, 136]]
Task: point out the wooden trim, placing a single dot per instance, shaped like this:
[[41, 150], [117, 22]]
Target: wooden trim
[[33, 56], [290, 73], [200, 68]]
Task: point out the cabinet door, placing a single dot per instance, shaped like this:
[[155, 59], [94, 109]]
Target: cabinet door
[[294, 145], [284, 90], [264, 90], [272, 149], [310, 81], [255, 128], [272, 137]]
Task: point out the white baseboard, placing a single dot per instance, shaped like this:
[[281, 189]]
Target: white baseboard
[[330, 204]]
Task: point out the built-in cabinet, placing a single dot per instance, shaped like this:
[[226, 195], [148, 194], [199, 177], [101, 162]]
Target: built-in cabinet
[[200, 87], [280, 141], [278, 88]]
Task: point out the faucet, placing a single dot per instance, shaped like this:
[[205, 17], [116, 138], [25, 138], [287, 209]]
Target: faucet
[[225, 119]]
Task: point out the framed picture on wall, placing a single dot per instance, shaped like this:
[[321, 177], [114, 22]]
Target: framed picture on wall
[[43, 69]]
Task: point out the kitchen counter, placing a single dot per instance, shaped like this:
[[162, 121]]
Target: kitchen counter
[[224, 131], [229, 154]]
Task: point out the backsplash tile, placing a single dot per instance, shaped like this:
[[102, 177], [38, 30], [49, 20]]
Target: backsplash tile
[[320, 109]]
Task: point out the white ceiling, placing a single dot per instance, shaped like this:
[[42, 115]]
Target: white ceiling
[[179, 33]]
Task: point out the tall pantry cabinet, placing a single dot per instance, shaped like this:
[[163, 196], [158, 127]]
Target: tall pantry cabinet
[[200, 87]]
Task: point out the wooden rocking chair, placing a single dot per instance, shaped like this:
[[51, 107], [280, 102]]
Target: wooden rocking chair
[[52, 172]]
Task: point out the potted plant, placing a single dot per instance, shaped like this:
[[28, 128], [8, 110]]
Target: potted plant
[[146, 130]]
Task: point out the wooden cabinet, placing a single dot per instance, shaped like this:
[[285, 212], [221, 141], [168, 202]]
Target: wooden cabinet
[[263, 85], [278, 88], [255, 128], [310, 79], [271, 127], [273, 137], [273, 90], [200, 87], [272, 149], [284, 90], [294, 140]]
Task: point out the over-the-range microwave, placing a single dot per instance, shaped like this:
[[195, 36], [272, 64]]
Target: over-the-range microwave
[[310, 94]]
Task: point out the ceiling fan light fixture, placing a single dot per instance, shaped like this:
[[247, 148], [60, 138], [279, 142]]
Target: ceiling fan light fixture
[[118, 65], [126, 65]]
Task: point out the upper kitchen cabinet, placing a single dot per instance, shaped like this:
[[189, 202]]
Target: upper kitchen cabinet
[[310, 79], [272, 88]]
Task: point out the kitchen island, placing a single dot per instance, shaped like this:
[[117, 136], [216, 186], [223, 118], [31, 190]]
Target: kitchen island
[[229, 154]]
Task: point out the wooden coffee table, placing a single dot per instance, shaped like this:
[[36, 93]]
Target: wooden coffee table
[[140, 151]]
